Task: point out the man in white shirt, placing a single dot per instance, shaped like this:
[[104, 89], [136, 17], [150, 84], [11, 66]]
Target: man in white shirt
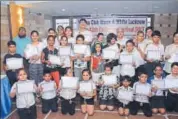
[[84, 31], [120, 38]]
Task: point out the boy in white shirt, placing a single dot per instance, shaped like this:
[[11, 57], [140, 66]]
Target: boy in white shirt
[[154, 53], [25, 101], [141, 100], [49, 99]]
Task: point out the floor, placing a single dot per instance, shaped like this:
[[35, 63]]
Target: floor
[[98, 115]]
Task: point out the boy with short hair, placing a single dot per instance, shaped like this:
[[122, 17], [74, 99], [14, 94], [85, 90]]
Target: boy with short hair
[[11, 74]]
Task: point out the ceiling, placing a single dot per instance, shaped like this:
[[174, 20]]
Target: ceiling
[[83, 7]]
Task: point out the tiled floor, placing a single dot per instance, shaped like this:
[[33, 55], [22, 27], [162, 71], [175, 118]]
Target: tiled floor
[[98, 115], [78, 115]]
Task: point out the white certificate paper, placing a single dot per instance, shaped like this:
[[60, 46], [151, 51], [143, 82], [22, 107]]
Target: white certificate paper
[[109, 54], [126, 59], [86, 87], [14, 63], [54, 59], [113, 47], [48, 86], [154, 54], [174, 58], [171, 83], [160, 84], [143, 89], [65, 51], [125, 95], [25, 87], [109, 80], [69, 82], [80, 48], [96, 76]]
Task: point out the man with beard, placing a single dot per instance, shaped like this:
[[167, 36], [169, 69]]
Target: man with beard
[[21, 41]]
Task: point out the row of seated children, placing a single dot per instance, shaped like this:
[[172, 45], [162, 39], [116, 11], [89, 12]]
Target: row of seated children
[[155, 102]]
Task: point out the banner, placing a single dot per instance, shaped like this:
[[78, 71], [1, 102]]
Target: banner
[[130, 25]]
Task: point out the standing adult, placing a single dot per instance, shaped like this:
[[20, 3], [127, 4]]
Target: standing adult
[[60, 32], [51, 32], [121, 39], [21, 41]]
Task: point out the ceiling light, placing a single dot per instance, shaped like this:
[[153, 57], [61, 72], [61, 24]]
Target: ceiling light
[[63, 10]]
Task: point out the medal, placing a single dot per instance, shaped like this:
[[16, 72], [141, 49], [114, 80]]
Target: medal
[[70, 102]]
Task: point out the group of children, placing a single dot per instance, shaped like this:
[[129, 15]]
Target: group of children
[[86, 66]]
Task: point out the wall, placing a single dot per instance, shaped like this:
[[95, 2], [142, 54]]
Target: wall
[[5, 34], [167, 25], [34, 21]]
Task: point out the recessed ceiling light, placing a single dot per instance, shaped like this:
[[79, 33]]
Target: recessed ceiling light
[[63, 10], [95, 8], [156, 7]]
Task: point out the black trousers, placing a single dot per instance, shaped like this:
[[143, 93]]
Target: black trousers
[[27, 113], [172, 102], [145, 107], [12, 77], [68, 106], [48, 105]]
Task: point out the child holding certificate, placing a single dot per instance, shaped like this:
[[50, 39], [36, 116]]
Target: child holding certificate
[[33, 53], [142, 93], [11, 74], [111, 42], [68, 33], [87, 91], [130, 59], [51, 50], [122, 92], [106, 93], [97, 63], [47, 88], [154, 53], [65, 53], [24, 91], [68, 96], [81, 60], [172, 96], [157, 99]]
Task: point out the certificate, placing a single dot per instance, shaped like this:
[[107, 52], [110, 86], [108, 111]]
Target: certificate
[[14, 63], [25, 87], [171, 83], [174, 58], [126, 59], [48, 86], [113, 47], [31, 52], [54, 59], [143, 89], [109, 80], [69, 82], [65, 51], [160, 84], [154, 54], [125, 95], [109, 54], [86, 87], [66, 61], [96, 76], [80, 48]]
